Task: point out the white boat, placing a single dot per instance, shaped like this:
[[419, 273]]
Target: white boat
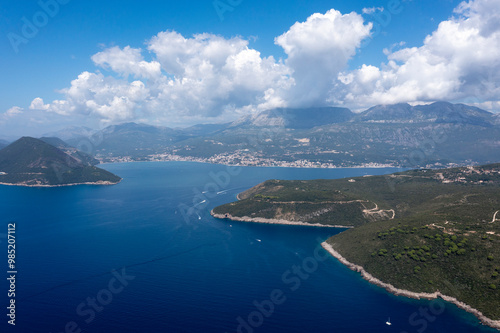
[[388, 322]]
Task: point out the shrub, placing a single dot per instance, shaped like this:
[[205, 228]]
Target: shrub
[[490, 258]]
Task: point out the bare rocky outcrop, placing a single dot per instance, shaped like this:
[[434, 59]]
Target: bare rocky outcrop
[[272, 221]]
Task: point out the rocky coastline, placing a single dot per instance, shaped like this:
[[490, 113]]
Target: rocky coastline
[[274, 221], [401, 292], [100, 183]]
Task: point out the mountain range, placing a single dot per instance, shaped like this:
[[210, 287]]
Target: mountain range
[[438, 134]]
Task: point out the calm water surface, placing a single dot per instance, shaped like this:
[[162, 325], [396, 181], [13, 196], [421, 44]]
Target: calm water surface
[[180, 270]]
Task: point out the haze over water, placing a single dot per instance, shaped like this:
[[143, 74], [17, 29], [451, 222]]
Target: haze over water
[[195, 274]]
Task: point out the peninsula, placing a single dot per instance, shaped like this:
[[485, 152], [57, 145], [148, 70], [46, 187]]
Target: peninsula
[[422, 233], [33, 162]]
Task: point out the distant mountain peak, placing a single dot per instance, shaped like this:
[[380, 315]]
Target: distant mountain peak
[[437, 112], [297, 118]]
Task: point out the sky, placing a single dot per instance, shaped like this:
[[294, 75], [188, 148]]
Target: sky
[[179, 63]]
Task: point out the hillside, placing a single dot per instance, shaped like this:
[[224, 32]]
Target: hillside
[[305, 118], [423, 230], [3, 144], [33, 162], [73, 152], [439, 112], [398, 135]]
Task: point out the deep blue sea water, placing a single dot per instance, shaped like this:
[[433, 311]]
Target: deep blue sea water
[[180, 270]]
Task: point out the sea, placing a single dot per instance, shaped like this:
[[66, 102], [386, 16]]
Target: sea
[[146, 256]]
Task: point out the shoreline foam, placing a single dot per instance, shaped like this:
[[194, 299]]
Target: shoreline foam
[[401, 292], [274, 221]]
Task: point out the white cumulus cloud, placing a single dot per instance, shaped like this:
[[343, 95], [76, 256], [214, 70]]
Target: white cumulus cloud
[[13, 111], [318, 49], [371, 10], [104, 97], [207, 78], [37, 104], [127, 61], [458, 61], [201, 77]]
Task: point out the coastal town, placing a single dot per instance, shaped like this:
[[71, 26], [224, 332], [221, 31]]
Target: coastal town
[[245, 158]]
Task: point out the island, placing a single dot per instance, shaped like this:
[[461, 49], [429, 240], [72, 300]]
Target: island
[[421, 233], [36, 163]]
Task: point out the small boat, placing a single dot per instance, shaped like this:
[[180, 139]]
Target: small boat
[[258, 240], [388, 322]]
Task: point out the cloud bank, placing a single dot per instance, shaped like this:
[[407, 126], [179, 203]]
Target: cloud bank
[[206, 78], [458, 61]]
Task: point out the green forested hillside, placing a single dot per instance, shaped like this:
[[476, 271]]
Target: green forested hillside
[[32, 162], [422, 230]]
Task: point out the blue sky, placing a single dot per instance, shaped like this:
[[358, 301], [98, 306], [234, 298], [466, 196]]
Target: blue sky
[[100, 62]]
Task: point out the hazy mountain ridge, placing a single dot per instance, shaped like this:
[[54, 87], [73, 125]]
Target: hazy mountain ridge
[[438, 112], [71, 132], [440, 134], [297, 118], [82, 157]]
